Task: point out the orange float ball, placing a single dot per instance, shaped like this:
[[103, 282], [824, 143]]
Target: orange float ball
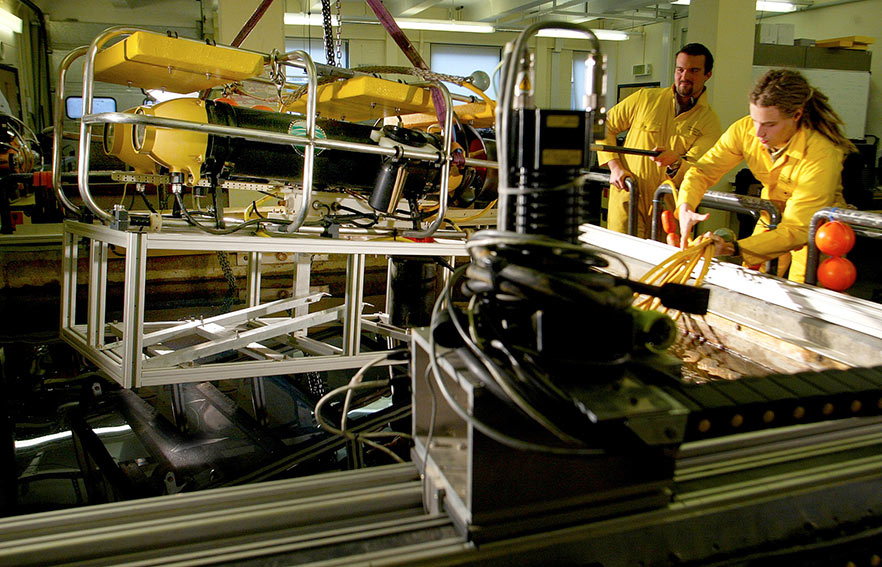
[[227, 100], [834, 238], [262, 107], [669, 223], [673, 239], [837, 273]]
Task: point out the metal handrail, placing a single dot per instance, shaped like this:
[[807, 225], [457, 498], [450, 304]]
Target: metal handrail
[[851, 217], [732, 202], [633, 196], [58, 127]]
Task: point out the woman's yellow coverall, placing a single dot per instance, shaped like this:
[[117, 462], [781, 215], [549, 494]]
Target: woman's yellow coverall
[[804, 178]]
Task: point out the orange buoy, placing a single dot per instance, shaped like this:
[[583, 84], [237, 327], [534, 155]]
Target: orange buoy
[[834, 238], [837, 273]]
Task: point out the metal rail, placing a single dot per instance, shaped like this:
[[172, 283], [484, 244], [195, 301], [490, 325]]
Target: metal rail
[[851, 217], [731, 202], [633, 194], [59, 127]]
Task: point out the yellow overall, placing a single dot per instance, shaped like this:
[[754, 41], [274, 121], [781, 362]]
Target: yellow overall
[[804, 178], [650, 116]]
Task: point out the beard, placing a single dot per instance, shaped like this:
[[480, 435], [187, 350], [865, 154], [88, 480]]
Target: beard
[[686, 89]]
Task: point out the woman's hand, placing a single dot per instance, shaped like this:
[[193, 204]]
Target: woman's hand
[[688, 219], [721, 247]]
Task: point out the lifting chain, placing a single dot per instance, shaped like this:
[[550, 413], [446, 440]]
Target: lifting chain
[[232, 286], [339, 42], [328, 32]]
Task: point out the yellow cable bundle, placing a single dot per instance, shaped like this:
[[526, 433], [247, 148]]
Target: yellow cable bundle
[[678, 268]]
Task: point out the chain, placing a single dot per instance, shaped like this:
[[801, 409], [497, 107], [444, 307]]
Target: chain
[[423, 74], [339, 42], [328, 32], [232, 287]]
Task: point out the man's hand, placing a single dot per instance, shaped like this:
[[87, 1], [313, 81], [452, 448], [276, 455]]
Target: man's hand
[[618, 173], [665, 158], [688, 219]]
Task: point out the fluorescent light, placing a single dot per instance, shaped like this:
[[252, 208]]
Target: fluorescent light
[[761, 6], [7, 20], [444, 25], [295, 19], [608, 35], [292, 19]]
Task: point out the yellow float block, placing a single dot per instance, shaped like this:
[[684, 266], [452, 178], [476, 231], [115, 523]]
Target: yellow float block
[[154, 61], [370, 98]]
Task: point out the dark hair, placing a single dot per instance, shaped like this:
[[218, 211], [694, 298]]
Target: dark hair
[[789, 91], [696, 49]]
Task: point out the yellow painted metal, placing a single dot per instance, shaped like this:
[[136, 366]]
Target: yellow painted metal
[[178, 150], [154, 61], [370, 98], [366, 98], [118, 142]]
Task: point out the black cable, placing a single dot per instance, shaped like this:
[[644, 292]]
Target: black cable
[[210, 230], [481, 426], [146, 201]]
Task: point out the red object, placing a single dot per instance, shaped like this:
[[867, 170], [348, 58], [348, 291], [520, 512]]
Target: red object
[[834, 238], [669, 223], [837, 273], [673, 239], [227, 100], [43, 179]]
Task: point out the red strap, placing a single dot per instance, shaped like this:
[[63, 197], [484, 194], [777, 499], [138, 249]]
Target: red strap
[[409, 50]]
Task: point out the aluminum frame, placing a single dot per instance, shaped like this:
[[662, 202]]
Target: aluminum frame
[[126, 351]]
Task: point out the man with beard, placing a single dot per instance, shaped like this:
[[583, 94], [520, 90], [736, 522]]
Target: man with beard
[[675, 120]]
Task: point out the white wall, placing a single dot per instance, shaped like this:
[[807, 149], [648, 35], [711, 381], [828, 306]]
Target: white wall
[[856, 18]]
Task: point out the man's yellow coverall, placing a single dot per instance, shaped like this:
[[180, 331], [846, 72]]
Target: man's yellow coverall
[[805, 177], [650, 116]]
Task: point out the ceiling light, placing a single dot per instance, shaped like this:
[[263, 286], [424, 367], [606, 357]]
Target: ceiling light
[[608, 35], [761, 6], [444, 25], [294, 19], [9, 21]]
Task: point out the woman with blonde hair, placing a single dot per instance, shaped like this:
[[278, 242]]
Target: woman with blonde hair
[[793, 144]]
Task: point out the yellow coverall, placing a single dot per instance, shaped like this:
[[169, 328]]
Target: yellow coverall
[[650, 116], [806, 177]]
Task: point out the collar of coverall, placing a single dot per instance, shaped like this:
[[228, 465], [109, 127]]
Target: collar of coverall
[[693, 101]]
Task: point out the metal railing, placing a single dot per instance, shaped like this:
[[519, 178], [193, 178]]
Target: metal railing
[[732, 202], [856, 219]]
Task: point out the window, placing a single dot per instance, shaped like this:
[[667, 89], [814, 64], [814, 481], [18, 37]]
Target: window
[[577, 85], [462, 61], [73, 105], [315, 47]]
